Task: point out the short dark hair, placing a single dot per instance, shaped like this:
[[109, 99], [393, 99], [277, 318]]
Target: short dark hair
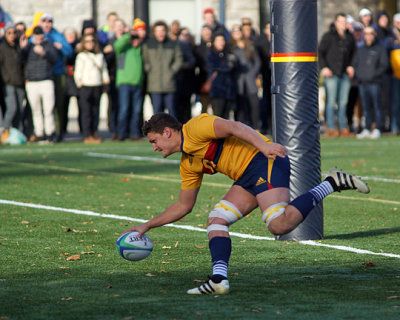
[[159, 23], [159, 121], [340, 14]]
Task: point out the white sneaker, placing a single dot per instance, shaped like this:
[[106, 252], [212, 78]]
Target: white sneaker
[[346, 181], [210, 287], [364, 134], [376, 134]]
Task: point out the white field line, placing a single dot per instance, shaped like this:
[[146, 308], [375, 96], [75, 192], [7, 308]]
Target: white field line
[[190, 228], [136, 158], [66, 149]]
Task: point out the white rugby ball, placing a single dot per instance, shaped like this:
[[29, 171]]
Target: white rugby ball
[[133, 248]]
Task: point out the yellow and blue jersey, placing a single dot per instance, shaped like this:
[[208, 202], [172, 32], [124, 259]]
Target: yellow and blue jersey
[[203, 153]]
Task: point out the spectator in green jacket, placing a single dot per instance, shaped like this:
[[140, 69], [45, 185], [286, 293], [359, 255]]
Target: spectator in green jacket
[[129, 81], [162, 59]]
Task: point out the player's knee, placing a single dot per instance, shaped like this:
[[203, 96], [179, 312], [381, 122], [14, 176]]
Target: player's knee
[[277, 228], [270, 216], [222, 216]]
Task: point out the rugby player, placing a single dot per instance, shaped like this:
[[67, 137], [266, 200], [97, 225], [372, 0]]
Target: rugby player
[[261, 173]]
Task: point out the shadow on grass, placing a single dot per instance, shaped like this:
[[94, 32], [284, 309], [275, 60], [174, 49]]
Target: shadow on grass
[[363, 234], [148, 293]]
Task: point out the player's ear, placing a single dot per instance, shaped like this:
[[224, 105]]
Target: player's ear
[[167, 132]]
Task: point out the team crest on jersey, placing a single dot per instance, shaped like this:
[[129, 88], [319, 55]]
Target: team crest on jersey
[[209, 167]]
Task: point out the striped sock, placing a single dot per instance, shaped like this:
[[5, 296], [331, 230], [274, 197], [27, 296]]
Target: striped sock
[[307, 201], [322, 190], [220, 268], [220, 249]]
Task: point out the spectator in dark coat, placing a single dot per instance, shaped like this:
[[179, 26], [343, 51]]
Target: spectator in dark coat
[[216, 27], [201, 52], [262, 44], [13, 79], [369, 65], [336, 50], [221, 64], [247, 69], [185, 79]]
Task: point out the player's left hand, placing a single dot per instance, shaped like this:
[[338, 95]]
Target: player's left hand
[[275, 149]]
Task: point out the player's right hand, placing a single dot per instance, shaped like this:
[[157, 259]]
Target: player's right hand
[[275, 149], [141, 229]]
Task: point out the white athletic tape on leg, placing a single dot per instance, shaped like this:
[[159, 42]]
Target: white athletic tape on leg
[[227, 211], [273, 212], [217, 227]]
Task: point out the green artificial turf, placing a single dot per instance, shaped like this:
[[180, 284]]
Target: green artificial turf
[[269, 279]]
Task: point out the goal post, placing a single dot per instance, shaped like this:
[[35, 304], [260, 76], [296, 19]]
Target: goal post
[[295, 124]]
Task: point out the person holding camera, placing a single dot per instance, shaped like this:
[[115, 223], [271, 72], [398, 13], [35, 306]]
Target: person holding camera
[[129, 81], [40, 56]]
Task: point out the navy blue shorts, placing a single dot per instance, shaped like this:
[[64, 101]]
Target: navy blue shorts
[[255, 178]]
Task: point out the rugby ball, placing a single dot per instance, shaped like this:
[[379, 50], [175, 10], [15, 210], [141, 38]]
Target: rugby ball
[[133, 248]]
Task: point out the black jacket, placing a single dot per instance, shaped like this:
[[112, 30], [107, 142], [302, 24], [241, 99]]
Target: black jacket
[[38, 67], [10, 64], [336, 52], [370, 63]]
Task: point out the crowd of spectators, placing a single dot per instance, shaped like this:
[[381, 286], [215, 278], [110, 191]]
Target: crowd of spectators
[[360, 66], [227, 72], [43, 68]]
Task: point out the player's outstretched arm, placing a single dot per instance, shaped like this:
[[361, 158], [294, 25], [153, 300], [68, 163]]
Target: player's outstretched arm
[[179, 209], [225, 128]]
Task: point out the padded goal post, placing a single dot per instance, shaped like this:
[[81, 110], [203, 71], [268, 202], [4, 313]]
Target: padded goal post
[[295, 101]]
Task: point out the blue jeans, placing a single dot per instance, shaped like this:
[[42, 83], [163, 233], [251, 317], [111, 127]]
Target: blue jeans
[[395, 122], [14, 98], [370, 95], [130, 107], [162, 101], [337, 93]]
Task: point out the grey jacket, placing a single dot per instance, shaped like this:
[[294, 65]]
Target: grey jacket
[[161, 61], [246, 71]]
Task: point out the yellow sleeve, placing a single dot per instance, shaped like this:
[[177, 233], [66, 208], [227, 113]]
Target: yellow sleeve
[[190, 172], [201, 128]]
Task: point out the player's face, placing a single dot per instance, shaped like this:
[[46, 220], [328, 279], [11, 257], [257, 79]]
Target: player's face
[[161, 143]]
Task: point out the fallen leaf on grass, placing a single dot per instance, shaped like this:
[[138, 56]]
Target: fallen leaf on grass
[[369, 264], [200, 247], [75, 257], [88, 252], [67, 298], [176, 244], [198, 281], [25, 222], [308, 277], [149, 275], [125, 179], [394, 297]]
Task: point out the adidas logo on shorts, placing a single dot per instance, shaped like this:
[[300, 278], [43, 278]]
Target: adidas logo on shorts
[[260, 181]]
